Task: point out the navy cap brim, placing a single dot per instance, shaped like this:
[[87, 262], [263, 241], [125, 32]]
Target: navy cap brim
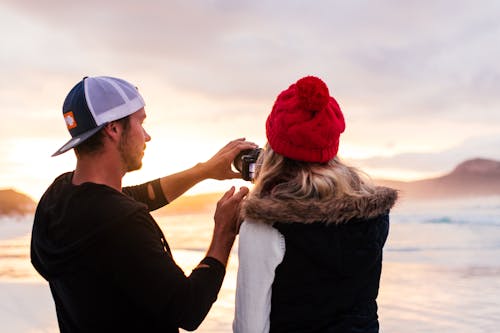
[[75, 141]]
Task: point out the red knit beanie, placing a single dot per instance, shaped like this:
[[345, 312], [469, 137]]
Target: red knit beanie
[[306, 122]]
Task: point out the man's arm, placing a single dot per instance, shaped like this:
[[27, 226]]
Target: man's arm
[[218, 167], [150, 276], [227, 216], [142, 268], [172, 186], [149, 193]]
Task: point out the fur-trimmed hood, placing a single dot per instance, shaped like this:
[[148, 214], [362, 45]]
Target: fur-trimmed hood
[[270, 210]]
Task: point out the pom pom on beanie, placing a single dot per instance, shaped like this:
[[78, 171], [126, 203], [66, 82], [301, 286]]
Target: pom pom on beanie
[[313, 93], [306, 122]]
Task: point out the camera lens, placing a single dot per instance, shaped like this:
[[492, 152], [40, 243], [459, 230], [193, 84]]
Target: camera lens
[[244, 162], [238, 160]]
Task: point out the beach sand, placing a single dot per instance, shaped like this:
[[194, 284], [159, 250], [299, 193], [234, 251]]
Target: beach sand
[[413, 298], [27, 307]]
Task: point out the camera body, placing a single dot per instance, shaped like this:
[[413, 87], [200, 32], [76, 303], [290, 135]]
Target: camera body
[[244, 162]]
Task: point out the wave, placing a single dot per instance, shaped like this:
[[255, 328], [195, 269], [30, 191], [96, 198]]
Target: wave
[[445, 248], [403, 249], [477, 211], [480, 218], [12, 227], [444, 219]]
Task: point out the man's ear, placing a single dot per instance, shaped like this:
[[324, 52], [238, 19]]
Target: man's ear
[[112, 130]]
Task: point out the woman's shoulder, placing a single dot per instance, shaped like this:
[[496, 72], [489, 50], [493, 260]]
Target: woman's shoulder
[[331, 211]]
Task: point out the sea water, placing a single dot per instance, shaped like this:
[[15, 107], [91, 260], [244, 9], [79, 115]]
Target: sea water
[[441, 270]]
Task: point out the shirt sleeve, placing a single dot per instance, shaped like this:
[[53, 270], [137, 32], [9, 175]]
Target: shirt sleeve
[[261, 249], [147, 273], [141, 193]]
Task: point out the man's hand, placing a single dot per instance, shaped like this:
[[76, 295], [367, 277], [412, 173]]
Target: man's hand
[[227, 215], [219, 166]]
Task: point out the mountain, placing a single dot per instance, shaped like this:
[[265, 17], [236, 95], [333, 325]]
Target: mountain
[[15, 203], [471, 178], [192, 204], [475, 177]]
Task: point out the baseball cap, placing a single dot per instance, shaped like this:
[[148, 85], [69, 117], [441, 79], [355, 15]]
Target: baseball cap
[[94, 102]]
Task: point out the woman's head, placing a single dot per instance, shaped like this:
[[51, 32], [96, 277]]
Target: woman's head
[[300, 159], [305, 122]]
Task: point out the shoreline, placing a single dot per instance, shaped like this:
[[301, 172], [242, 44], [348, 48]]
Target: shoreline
[[426, 297]]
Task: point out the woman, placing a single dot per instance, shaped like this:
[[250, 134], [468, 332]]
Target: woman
[[310, 247]]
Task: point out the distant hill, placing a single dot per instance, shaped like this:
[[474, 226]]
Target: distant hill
[[192, 204], [475, 177], [15, 203]]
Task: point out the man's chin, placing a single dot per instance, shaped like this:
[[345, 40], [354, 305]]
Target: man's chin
[[131, 162], [134, 167], [134, 164]]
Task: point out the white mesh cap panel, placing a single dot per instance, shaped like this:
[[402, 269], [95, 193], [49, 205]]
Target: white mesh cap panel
[[111, 98]]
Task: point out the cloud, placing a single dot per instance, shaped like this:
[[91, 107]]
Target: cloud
[[414, 78], [436, 162], [256, 48], [386, 39]]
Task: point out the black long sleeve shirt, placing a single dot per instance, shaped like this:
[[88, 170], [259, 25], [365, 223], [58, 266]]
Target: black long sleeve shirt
[[108, 263]]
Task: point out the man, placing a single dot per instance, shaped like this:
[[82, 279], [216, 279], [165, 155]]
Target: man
[[107, 262]]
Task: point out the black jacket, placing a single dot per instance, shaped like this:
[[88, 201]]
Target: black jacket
[[109, 266], [329, 277]]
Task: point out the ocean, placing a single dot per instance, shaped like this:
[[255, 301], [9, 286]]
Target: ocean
[[441, 270]]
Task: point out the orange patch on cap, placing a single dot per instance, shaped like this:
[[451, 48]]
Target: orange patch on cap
[[69, 118]]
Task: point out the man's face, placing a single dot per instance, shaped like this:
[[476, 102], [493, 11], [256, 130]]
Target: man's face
[[133, 141]]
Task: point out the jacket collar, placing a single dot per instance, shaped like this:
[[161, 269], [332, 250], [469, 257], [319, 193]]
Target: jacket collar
[[269, 209]]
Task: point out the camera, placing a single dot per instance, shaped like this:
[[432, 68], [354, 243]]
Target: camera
[[244, 162]]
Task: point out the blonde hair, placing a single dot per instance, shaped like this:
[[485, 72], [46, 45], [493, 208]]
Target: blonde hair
[[288, 179]]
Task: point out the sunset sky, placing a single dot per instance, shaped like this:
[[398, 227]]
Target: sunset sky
[[418, 81]]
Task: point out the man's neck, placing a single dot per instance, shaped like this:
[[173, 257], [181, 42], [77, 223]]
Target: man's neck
[[99, 169]]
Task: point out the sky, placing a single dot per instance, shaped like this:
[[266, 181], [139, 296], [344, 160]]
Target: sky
[[418, 81]]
